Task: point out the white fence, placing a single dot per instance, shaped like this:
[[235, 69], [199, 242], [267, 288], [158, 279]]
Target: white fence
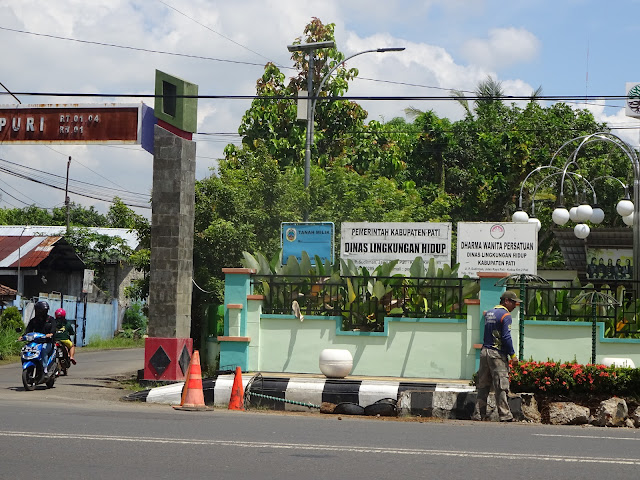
[[91, 320]]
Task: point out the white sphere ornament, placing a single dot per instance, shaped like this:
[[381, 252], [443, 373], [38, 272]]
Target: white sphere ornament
[[560, 216], [520, 217], [537, 223], [584, 212], [624, 207], [628, 219], [581, 230], [335, 362], [597, 216], [573, 214]]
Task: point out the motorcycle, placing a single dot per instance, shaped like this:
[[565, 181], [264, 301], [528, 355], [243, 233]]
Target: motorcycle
[[62, 358], [32, 362]]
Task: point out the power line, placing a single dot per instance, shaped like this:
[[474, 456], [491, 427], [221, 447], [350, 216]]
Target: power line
[[125, 47], [25, 196], [556, 98], [212, 30], [76, 187], [75, 160], [92, 185], [200, 57]]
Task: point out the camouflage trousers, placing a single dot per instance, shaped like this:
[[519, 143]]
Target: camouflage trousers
[[493, 372]]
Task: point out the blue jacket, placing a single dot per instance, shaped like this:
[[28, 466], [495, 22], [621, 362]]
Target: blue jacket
[[497, 330]]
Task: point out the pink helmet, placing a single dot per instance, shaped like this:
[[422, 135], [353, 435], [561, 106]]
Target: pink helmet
[[60, 313]]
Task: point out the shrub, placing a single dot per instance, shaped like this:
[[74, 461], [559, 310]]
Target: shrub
[[134, 318], [573, 378], [10, 319]]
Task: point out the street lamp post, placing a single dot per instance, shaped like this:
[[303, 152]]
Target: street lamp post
[[312, 95], [630, 211]]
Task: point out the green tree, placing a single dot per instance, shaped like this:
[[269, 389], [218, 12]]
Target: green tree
[[98, 250], [340, 135]]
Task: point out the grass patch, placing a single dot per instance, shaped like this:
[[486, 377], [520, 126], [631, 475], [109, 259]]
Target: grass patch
[[96, 343], [9, 346]]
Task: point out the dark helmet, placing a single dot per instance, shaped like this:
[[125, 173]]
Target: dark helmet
[[41, 307]]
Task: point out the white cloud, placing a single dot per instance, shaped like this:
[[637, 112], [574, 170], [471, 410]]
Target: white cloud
[[504, 47], [620, 124]]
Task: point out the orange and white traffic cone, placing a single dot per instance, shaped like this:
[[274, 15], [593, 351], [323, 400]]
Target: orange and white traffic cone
[[237, 392], [192, 393]]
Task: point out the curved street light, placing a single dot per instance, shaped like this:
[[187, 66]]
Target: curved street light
[[630, 211], [312, 99]]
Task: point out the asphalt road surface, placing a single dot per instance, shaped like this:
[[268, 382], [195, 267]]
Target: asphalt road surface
[[81, 429]]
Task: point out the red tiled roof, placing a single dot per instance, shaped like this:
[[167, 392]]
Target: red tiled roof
[[7, 292]]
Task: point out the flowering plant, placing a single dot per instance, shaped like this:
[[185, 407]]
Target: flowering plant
[[571, 377]]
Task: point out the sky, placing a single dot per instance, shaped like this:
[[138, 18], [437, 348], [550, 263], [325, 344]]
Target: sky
[[570, 48]]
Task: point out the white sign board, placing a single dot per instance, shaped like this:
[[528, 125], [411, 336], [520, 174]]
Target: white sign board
[[497, 247], [371, 244], [633, 100], [87, 281]]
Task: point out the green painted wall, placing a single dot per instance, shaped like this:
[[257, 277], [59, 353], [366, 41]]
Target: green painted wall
[[412, 348]]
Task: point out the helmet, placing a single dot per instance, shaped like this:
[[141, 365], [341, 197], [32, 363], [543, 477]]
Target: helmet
[[41, 307], [60, 313]]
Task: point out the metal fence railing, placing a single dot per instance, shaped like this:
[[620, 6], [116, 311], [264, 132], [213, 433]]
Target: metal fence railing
[[569, 303], [364, 302]]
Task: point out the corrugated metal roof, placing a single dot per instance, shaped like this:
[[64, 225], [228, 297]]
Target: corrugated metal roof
[[31, 251], [129, 236]]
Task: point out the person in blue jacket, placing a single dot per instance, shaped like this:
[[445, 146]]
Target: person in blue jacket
[[497, 349]]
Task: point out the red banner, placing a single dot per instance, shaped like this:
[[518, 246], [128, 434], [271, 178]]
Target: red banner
[[71, 124]]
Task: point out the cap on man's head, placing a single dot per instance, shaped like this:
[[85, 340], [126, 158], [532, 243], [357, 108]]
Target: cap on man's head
[[509, 295]]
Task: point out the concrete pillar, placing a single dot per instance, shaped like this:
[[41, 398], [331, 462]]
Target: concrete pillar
[[172, 217]]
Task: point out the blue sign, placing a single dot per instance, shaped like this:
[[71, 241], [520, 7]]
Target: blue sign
[[315, 238]]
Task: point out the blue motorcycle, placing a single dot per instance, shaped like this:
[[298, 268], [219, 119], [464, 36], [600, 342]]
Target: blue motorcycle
[[32, 356]]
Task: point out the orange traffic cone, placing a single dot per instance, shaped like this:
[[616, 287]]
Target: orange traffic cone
[[192, 394], [237, 392]]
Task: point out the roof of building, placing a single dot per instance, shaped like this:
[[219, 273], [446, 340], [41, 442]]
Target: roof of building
[[30, 251], [7, 291], [574, 250], [129, 236]]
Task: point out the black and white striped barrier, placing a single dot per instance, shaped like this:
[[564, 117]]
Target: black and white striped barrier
[[445, 400]]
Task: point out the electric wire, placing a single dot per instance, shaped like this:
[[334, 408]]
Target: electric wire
[[75, 160], [572, 99], [6, 201], [33, 202], [212, 30], [76, 187], [126, 47], [431, 98]]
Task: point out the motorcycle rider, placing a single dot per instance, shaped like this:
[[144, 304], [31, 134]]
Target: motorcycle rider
[[43, 323], [64, 330]]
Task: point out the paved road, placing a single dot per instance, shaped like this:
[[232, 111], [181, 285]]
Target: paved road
[[95, 377], [98, 437]]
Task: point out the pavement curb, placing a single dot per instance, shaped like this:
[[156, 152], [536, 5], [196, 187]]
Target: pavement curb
[[441, 399]]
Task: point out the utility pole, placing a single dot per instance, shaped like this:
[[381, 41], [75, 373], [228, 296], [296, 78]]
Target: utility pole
[[66, 193]]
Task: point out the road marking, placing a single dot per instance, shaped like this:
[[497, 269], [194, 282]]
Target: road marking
[[596, 437], [326, 448]]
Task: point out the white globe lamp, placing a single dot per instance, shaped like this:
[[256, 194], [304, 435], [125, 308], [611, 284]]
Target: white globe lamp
[[581, 230], [584, 212], [624, 207], [628, 219], [573, 214], [536, 222], [520, 216], [597, 216], [560, 216]]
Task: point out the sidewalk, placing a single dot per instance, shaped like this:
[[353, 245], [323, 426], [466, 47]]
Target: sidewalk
[[304, 392]]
